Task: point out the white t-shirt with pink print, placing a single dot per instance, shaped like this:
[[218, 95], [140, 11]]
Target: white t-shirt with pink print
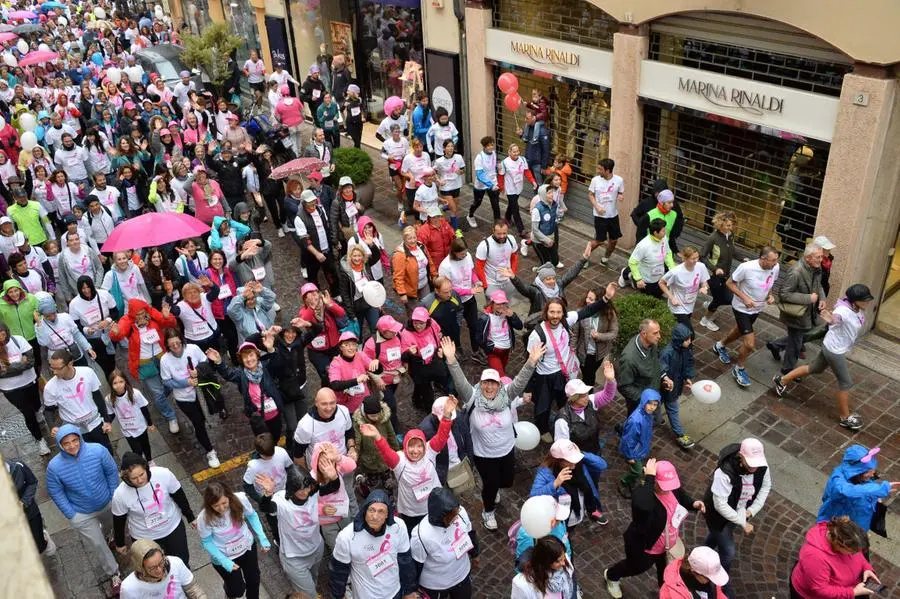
[[151, 511]]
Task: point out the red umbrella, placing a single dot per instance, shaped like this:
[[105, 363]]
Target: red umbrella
[[37, 57], [153, 229], [7, 36], [298, 166]]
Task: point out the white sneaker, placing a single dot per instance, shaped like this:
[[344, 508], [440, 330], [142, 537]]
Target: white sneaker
[[559, 265], [472, 222], [535, 268], [303, 272], [705, 322], [173, 427], [621, 280], [489, 520], [523, 249], [42, 447], [212, 459], [604, 260], [50, 550], [612, 586], [276, 307], [281, 232]]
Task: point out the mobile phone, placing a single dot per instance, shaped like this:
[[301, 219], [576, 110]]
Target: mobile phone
[[875, 587]]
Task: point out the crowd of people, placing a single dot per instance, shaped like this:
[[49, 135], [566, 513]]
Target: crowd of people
[[89, 140]]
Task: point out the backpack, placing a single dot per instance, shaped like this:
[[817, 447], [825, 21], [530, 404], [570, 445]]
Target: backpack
[[487, 247]]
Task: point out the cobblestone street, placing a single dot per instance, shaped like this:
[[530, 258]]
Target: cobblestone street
[[802, 437]]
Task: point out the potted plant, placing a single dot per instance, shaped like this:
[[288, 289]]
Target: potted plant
[[356, 164], [633, 308]]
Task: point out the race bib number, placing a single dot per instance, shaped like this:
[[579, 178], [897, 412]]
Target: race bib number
[[329, 124], [316, 93], [462, 544], [380, 563], [14, 358], [393, 354], [657, 270], [427, 352], [351, 209], [269, 405], [356, 389], [423, 489], [341, 505], [154, 519], [319, 342], [224, 292], [678, 516], [149, 336], [238, 547], [201, 330], [259, 273], [354, 111]]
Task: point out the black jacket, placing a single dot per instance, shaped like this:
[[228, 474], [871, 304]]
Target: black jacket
[[648, 514], [229, 176], [267, 386], [461, 434], [142, 186], [26, 486], [730, 464], [306, 94], [288, 363]]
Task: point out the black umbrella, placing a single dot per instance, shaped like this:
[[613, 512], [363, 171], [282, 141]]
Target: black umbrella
[[27, 28]]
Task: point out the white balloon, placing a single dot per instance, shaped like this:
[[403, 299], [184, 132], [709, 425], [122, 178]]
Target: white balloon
[[10, 60], [99, 13], [43, 47], [114, 74], [706, 391], [22, 46], [537, 515], [28, 141], [27, 121], [134, 73], [374, 294], [527, 436]]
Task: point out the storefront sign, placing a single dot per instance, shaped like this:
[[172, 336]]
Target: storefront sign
[[782, 108], [275, 29], [551, 56]]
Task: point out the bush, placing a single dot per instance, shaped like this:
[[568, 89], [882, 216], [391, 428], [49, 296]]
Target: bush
[[354, 163], [634, 308]]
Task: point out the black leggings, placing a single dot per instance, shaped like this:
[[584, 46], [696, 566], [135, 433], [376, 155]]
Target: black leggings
[[98, 436], [512, 213], [194, 412], [589, 369], [243, 580], [28, 401], [493, 195], [38, 360], [470, 315], [36, 525], [175, 543], [637, 561], [462, 590], [721, 296], [548, 254], [423, 376], [107, 362], [320, 361], [496, 474], [275, 204], [229, 333], [141, 445]]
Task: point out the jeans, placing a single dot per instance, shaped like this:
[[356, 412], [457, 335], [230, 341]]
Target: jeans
[[790, 344], [670, 400], [90, 527], [157, 392], [595, 466], [536, 171], [723, 542]]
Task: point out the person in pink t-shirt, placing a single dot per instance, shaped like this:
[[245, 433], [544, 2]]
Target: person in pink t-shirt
[[289, 112], [349, 373]]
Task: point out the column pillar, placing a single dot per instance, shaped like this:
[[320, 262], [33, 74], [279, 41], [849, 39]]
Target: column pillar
[[626, 119], [259, 13], [859, 209], [481, 81]]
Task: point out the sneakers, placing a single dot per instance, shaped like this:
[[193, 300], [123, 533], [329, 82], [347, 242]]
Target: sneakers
[[458, 233], [685, 442], [604, 260], [115, 582], [489, 520], [853, 422], [547, 438], [281, 231], [612, 586], [535, 268], [523, 249], [720, 350], [776, 353], [599, 517], [622, 279], [42, 447], [478, 357], [624, 490], [559, 265], [173, 427], [303, 273], [472, 222], [780, 387], [212, 459], [740, 376], [499, 498], [709, 324], [50, 549]]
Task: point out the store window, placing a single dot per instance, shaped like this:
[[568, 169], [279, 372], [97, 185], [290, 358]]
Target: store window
[[889, 310], [242, 18], [575, 21], [772, 184], [579, 124]]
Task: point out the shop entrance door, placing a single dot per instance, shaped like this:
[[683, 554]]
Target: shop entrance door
[[888, 319]]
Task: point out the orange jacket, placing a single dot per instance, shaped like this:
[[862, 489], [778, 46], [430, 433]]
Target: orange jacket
[[564, 173], [126, 329], [436, 240], [406, 271]]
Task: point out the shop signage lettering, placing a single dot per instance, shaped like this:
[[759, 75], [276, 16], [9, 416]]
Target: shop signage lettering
[[725, 97], [545, 54]]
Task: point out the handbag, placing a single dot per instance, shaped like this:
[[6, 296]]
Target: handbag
[[792, 310], [461, 477], [879, 520], [676, 551]]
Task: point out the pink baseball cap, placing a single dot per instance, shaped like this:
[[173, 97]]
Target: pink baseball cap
[[566, 450], [420, 314], [314, 176], [129, 105], [307, 288], [164, 132], [388, 323], [577, 387], [499, 297], [247, 345], [666, 476], [753, 452], [705, 562], [348, 336]]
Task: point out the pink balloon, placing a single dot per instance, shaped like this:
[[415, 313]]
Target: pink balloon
[[508, 83], [512, 101]]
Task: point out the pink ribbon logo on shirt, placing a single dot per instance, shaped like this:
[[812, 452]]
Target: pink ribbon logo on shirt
[[385, 545], [79, 392], [303, 519], [159, 498], [491, 419], [171, 587], [84, 264], [695, 284], [768, 282]]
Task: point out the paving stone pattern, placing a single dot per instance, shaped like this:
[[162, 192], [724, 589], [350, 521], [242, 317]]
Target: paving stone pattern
[[802, 424]]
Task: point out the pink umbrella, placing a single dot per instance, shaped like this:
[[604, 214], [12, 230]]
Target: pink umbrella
[[21, 15], [298, 166], [7, 36], [37, 57], [153, 229]]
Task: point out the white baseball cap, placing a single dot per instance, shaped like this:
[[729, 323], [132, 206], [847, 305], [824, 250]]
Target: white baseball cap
[[577, 387]]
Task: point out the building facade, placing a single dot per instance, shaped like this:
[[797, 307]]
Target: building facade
[[777, 112]]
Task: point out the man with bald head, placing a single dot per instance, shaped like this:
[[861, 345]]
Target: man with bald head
[[639, 366]]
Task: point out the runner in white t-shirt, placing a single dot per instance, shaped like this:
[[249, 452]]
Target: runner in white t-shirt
[[513, 173], [681, 285], [751, 283], [394, 149], [444, 543], [160, 576], [130, 408], [493, 256], [450, 168], [605, 193], [74, 393]]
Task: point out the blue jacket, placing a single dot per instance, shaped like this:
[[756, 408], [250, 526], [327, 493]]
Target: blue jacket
[[638, 430], [83, 483], [537, 144], [844, 498], [421, 121], [677, 361], [241, 231], [524, 542], [543, 484]]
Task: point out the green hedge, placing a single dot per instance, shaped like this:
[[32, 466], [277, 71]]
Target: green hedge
[[354, 163], [634, 308]]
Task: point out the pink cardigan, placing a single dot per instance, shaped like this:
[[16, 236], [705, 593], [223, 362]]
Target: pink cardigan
[[202, 209]]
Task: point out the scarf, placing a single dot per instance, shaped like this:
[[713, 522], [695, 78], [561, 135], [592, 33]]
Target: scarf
[[561, 582], [254, 376], [549, 292], [662, 209], [500, 402]]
